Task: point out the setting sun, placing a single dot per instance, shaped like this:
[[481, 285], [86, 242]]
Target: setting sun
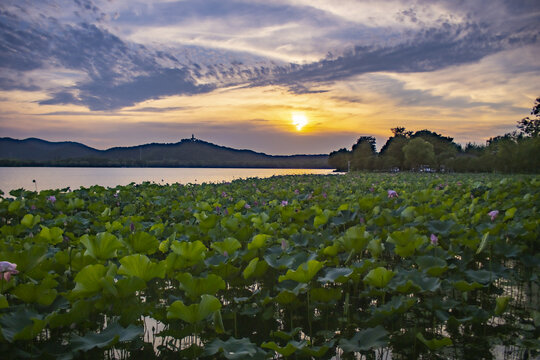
[[299, 120]]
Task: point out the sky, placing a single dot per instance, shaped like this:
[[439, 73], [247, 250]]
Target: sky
[[275, 76]]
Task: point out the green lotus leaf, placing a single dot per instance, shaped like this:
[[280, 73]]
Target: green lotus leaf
[[464, 286], [190, 252], [375, 247], [89, 281], [228, 246], [194, 287], [509, 214], [304, 273], [355, 238], [434, 344], [325, 295], [379, 277], [258, 241], [194, 313], [42, 293], [432, 265], [283, 335], [481, 276], [285, 297], [483, 243], [255, 268], [335, 275], [286, 350], [397, 305], [3, 302], [102, 247], [407, 241], [366, 339], [232, 349], [408, 213], [317, 351], [142, 267], [21, 324], [30, 220], [440, 227], [142, 243], [111, 335], [206, 221], [52, 236], [500, 304], [320, 220]]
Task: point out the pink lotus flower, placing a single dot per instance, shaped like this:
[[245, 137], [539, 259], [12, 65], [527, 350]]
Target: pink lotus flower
[[493, 214], [371, 189], [52, 198], [224, 194], [296, 191], [434, 239], [283, 244], [247, 206], [392, 194], [225, 253], [324, 195], [284, 203], [8, 269]]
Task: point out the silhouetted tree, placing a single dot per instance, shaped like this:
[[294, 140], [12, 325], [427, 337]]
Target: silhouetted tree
[[528, 126], [363, 153], [339, 159], [400, 131], [419, 152]]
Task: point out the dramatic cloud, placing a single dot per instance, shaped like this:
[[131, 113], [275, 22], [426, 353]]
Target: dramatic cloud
[[129, 57]]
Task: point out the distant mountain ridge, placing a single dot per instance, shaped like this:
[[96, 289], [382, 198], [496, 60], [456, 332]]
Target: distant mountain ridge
[[185, 153]]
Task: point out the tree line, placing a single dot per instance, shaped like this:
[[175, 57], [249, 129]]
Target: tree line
[[425, 150]]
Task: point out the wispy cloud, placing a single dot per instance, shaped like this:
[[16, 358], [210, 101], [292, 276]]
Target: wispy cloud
[[134, 57]]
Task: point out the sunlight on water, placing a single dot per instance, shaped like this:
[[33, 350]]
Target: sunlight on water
[[58, 178]]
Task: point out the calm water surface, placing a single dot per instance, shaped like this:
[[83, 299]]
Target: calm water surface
[[57, 178]]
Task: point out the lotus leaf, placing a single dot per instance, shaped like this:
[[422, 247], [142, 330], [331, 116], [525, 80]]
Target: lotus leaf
[[304, 273], [335, 274], [113, 334], [232, 348], [52, 235], [30, 220], [190, 252], [258, 241], [434, 344], [142, 267], [197, 286], [102, 247], [42, 293], [228, 246], [366, 339], [287, 350], [194, 313], [142, 243], [379, 277]]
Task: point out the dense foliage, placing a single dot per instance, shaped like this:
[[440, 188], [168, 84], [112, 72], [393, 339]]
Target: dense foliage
[[515, 152], [412, 265]]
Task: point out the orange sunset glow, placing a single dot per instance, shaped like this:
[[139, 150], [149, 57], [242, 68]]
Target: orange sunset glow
[[284, 77]]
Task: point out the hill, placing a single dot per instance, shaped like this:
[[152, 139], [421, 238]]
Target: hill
[[186, 153]]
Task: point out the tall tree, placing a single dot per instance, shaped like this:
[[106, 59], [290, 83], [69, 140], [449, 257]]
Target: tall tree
[[419, 152], [340, 159], [528, 126], [363, 153]]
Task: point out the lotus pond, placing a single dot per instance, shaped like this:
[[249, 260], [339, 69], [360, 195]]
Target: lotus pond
[[373, 266]]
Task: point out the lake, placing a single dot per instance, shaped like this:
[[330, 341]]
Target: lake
[[61, 177]]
